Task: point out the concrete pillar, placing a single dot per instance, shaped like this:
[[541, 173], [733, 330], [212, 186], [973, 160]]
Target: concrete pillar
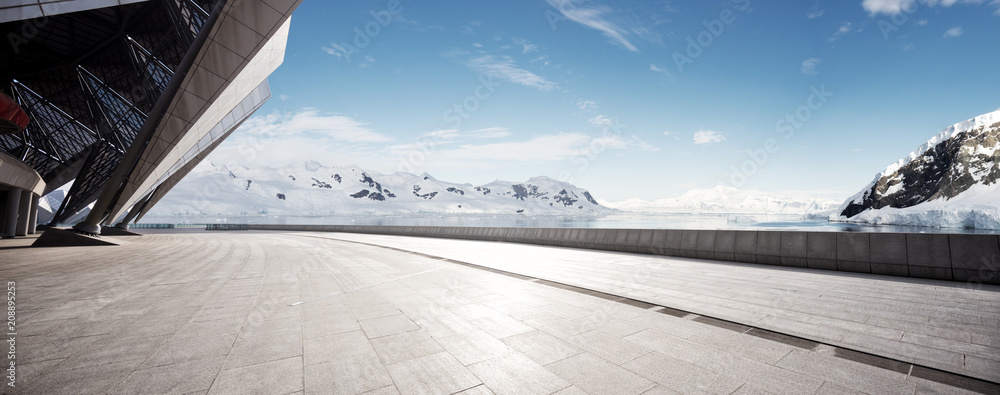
[[10, 219], [23, 212], [33, 216]]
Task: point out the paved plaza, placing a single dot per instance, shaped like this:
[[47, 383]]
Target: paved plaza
[[306, 312]]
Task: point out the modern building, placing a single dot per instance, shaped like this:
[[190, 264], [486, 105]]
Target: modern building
[[125, 97]]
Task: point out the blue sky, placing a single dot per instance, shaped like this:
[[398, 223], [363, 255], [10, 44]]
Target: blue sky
[[629, 99]]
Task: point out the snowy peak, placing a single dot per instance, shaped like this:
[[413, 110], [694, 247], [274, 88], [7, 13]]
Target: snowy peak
[[957, 159], [310, 188]]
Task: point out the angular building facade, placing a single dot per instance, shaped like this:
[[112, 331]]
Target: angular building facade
[[124, 97]]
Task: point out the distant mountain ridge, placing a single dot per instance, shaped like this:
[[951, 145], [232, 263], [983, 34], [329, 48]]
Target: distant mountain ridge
[[309, 188], [953, 180]]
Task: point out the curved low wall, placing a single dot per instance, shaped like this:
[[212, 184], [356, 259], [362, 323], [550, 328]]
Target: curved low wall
[[968, 258]]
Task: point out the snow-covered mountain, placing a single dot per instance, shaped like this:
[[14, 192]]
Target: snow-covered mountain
[[310, 188], [953, 180], [725, 199]]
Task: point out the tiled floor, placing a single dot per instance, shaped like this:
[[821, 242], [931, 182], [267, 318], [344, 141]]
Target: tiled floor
[[944, 325], [279, 313]]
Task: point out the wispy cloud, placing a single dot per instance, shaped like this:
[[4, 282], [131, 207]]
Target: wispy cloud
[[504, 67], [894, 7], [449, 135], [488, 133], [594, 17], [537, 149], [841, 31], [810, 66], [337, 51], [367, 61], [953, 32], [586, 105], [815, 12], [708, 137], [526, 46], [471, 27], [657, 69], [312, 122], [285, 137], [601, 121]]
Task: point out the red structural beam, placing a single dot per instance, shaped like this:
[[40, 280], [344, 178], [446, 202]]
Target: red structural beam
[[13, 119]]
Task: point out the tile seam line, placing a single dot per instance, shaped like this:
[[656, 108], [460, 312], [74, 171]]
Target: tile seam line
[[912, 364]]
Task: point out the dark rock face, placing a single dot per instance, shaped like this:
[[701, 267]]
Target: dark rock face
[[520, 192], [428, 196], [456, 190], [389, 194], [362, 193], [248, 184], [368, 180], [376, 196], [336, 177], [292, 177], [564, 198], [321, 184], [943, 171], [586, 195], [281, 196], [485, 191]]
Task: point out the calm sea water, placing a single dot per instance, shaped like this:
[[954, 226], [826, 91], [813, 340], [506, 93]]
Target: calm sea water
[[630, 221]]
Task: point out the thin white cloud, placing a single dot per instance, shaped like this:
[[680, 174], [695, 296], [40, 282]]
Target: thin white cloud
[[338, 51], [545, 148], [708, 137], [596, 18], [537, 149], [657, 69], [894, 7], [448, 135], [526, 46], [815, 12], [810, 66], [889, 7], [841, 31], [441, 134], [953, 32], [286, 137], [488, 133], [601, 121], [544, 59], [586, 105], [504, 67], [366, 61], [311, 122]]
